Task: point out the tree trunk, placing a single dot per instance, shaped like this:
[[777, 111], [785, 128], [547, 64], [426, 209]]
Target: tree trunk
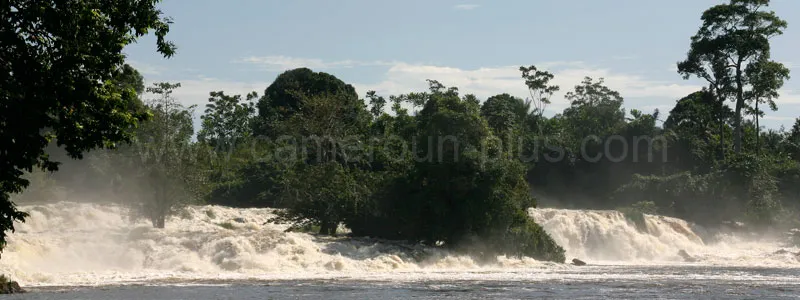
[[720, 109], [721, 138], [758, 131], [323, 228], [159, 221], [718, 114], [157, 211], [737, 124], [737, 121], [327, 228]]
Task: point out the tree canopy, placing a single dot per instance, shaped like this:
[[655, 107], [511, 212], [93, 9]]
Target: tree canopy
[[731, 52], [58, 60], [283, 97]]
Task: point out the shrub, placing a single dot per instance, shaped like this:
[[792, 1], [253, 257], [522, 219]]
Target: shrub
[[227, 225], [635, 213], [8, 286], [530, 239]]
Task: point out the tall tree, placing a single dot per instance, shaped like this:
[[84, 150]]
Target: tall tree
[[539, 88], [505, 113], [793, 140], [57, 60], [461, 186], [694, 121], [732, 37], [327, 182], [227, 120], [377, 104], [164, 157], [283, 98], [594, 109], [766, 77]]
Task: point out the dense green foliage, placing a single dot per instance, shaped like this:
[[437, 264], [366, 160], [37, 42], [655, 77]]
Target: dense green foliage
[[8, 286], [162, 164], [461, 187], [58, 59], [731, 51], [285, 97], [227, 120]]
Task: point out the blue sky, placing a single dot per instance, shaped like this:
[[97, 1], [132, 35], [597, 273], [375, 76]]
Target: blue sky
[[240, 46]]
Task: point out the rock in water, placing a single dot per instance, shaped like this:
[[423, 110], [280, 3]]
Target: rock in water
[[15, 288], [794, 236], [578, 262], [686, 256], [781, 251], [9, 287]]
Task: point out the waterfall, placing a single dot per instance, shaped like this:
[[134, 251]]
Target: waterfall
[[68, 243], [608, 236]]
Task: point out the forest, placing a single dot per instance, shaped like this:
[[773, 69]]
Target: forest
[[438, 167]]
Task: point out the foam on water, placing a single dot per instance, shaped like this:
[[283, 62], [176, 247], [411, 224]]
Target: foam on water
[[78, 244], [69, 243], [609, 237]]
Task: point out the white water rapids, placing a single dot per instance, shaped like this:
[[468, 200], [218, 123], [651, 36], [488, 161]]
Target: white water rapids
[[69, 243], [608, 237]]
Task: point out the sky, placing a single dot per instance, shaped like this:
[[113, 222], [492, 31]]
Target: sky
[[392, 47]]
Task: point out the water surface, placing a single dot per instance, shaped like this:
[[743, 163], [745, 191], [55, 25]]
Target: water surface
[[594, 282]]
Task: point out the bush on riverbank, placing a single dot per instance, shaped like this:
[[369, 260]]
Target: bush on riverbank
[[8, 286]]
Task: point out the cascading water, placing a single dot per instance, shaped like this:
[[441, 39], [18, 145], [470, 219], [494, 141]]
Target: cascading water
[[610, 237], [78, 243], [70, 243]]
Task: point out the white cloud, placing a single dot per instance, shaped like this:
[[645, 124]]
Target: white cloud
[[196, 92], [466, 6], [777, 118], [625, 57], [145, 68], [282, 63], [788, 97], [673, 68], [639, 92]]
